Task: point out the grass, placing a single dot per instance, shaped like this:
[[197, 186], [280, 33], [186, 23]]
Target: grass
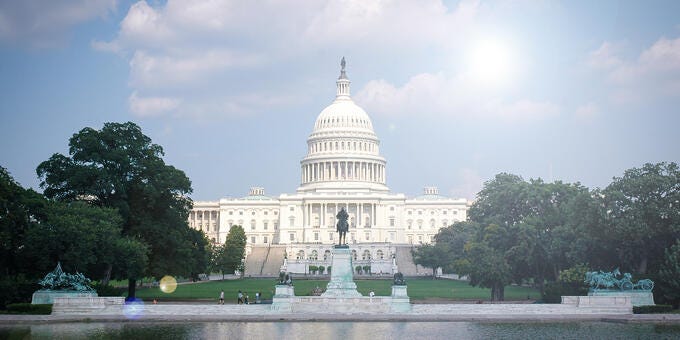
[[418, 289]]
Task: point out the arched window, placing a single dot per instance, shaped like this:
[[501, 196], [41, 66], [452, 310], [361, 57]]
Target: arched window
[[380, 254], [301, 255], [366, 255], [354, 254], [326, 255], [314, 255]]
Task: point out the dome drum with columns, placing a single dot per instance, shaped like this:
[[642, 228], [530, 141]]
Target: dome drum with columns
[[343, 168]]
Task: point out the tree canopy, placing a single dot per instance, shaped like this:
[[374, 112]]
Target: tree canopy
[[119, 167]]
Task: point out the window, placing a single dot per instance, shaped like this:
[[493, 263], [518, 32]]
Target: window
[[264, 239], [410, 239], [265, 224], [409, 224], [366, 255], [330, 236], [316, 236], [445, 212], [252, 225], [215, 227], [368, 236], [420, 224], [420, 238], [276, 213], [392, 222], [455, 212], [391, 208], [231, 212], [409, 212], [291, 221], [253, 213], [420, 212], [252, 239], [292, 236], [379, 254], [432, 223], [240, 212], [266, 212], [292, 208], [276, 225]]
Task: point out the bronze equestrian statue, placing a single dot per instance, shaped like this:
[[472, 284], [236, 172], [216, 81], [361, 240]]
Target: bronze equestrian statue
[[342, 226]]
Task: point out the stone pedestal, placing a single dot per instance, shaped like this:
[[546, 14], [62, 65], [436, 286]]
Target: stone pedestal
[[637, 298], [283, 299], [47, 296], [342, 280], [400, 300]]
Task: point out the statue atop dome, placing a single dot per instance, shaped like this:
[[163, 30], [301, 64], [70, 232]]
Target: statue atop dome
[[343, 75]]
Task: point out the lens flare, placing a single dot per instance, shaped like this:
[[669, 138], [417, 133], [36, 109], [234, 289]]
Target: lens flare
[[168, 284], [133, 309]]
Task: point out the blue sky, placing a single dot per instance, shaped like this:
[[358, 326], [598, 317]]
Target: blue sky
[[457, 91]]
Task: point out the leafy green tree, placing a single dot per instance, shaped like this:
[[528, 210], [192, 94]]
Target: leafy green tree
[[19, 210], [119, 167], [668, 278], [431, 256], [642, 216], [234, 250]]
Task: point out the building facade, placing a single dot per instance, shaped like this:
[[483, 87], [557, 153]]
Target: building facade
[[343, 168]]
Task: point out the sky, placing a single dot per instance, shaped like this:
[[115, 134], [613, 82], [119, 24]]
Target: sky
[[458, 91]]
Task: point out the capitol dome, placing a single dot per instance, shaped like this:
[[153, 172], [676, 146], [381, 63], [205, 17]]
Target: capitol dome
[[343, 150]]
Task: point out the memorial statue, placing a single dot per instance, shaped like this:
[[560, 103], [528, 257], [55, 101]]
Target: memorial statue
[[609, 281], [58, 280], [342, 226], [399, 279]]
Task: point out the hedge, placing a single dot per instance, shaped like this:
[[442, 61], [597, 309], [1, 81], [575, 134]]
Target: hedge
[[27, 308], [652, 309]]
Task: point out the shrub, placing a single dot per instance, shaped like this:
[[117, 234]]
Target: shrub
[[321, 269], [18, 289], [313, 269], [108, 290], [652, 309], [27, 308], [358, 269], [366, 269], [554, 291], [328, 270]]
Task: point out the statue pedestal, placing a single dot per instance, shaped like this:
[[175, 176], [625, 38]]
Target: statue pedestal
[[283, 299], [637, 298], [400, 300], [342, 280], [47, 296]]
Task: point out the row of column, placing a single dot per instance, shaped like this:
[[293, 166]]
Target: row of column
[[343, 170], [203, 220], [325, 217]]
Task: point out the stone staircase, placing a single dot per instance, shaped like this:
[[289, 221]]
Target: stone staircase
[[406, 265], [274, 261], [265, 261], [255, 260]]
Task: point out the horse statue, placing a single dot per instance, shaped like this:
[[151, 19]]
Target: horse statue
[[399, 279], [342, 226], [610, 281]]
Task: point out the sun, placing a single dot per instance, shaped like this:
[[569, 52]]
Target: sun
[[491, 62]]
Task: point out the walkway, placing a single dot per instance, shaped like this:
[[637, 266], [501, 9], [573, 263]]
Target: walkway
[[439, 312]]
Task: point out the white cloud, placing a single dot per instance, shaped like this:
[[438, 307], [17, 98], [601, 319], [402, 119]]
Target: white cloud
[[151, 106], [586, 112], [192, 45], [45, 24], [436, 94], [655, 72]]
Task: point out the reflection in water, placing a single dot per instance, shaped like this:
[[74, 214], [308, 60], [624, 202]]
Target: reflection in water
[[337, 330]]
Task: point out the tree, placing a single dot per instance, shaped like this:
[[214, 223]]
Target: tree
[[669, 276], [19, 210], [234, 250], [431, 256], [642, 216], [119, 167]]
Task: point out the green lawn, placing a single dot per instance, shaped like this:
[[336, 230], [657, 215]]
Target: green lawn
[[418, 289]]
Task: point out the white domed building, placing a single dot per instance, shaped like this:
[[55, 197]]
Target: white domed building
[[343, 168]]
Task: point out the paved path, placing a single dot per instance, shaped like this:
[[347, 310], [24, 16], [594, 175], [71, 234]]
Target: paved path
[[439, 312]]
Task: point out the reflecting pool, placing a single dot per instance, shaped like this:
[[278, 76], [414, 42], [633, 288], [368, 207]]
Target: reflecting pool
[[339, 330]]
